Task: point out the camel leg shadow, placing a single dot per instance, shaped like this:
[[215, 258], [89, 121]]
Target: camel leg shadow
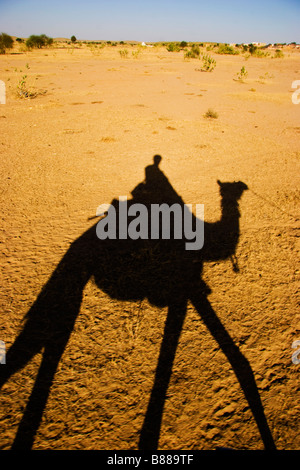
[[49, 324], [151, 427], [152, 423], [21, 352], [239, 364], [35, 407]]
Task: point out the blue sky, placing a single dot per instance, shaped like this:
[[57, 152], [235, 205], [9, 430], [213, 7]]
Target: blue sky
[[229, 21]]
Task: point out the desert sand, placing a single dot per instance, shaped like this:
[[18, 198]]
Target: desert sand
[[96, 122]]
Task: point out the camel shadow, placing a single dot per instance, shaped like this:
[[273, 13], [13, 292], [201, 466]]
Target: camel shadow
[[158, 269]]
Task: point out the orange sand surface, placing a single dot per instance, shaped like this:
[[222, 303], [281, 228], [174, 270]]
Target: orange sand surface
[[95, 123]]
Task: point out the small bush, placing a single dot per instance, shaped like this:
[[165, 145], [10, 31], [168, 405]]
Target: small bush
[[73, 39], [123, 53], [242, 74], [211, 114], [195, 50], [210, 47], [208, 63], [6, 42], [193, 53], [173, 47], [189, 55], [278, 54], [136, 54], [24, 90], [252, 49]]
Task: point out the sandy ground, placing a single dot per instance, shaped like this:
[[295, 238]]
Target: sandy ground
[[86, 138]]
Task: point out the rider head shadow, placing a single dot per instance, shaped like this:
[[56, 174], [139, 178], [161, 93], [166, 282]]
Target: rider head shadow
[[158, 269]]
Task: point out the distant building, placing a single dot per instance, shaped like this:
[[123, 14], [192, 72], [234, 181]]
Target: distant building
[[258, 44]]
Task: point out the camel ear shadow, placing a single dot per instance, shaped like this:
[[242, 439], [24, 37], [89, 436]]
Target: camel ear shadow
[[243, 186]]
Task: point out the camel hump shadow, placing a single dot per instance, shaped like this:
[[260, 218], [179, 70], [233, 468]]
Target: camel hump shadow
[[159, 270], [162, 270]]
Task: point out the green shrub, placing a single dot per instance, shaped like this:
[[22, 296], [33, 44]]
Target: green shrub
[[173, 47], [208, 63], [195, 50], [193, 53], [6, 42], [38, 42], [252, 49], [189, 55], [73, 39]]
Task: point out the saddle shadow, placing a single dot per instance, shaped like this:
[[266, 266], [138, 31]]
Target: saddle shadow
[[160, 270]]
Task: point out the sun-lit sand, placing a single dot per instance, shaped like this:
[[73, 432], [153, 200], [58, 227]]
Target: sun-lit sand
[[95, 123]]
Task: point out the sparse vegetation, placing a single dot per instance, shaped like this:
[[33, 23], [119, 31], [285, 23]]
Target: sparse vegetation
[[95, 47], [261, 53], [263, 78], [25, 88], [255, 51], [23, 91], [136, 53], [123, 53], [6, 42], [226, 49], [211, 114], [242, 74]]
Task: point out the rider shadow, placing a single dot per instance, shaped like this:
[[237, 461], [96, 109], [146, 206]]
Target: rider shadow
[[159, 270]]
